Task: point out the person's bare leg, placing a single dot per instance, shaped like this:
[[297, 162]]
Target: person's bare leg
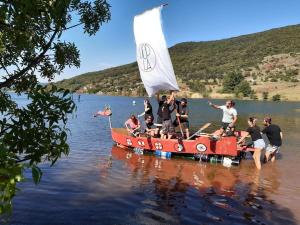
[[187, 133], [256, 157], [162, 135], [267, 155], [221, 132], [273, 157]]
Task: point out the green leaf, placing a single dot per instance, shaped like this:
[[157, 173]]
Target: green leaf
[[36, 174]]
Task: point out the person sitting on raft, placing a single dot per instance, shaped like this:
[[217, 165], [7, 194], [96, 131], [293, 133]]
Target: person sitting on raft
[[182, 112], [147, 127], [164, 116], [229, 116], [133, 125], [147, 109], [274, 135], [258, 143]]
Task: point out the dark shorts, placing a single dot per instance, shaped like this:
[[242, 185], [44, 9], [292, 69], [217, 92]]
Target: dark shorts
[[224, 125], [185, 125], [167, 127], [159, 120]]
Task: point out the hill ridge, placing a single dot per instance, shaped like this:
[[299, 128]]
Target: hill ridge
[[201, 66]]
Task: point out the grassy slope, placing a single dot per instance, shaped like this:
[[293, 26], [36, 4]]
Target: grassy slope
[[197, 63]]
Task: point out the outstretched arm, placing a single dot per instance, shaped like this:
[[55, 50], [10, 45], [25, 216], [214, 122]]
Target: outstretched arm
[[243, 138], [213, 105], [172, 97]]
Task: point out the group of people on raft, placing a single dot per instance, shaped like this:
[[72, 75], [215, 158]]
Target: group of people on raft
[[165, 127]]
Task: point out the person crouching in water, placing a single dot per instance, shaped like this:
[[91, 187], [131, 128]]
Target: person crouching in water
[[147, 127], [258, 142], [133, 125], [274, 135], [164, 114], [182, 114]]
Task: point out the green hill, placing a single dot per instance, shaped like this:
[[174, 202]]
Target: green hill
[[268, 56]]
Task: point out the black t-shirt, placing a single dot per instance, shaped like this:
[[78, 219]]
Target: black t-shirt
[[145, 126], [159, 110], [165, 111], [254, 133], [182, 110], [149, 111], [273, 133]]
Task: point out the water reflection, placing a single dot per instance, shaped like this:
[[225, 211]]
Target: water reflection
[[189, 190]]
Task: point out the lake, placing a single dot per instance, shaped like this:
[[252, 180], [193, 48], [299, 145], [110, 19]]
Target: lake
[[99, 183]]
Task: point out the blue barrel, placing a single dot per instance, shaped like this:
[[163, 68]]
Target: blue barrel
[[163, 154]]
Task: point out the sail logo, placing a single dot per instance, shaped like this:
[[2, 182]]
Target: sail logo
[[147, 58]]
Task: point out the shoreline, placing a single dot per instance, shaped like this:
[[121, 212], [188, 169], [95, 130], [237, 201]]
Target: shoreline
[[191, 97]]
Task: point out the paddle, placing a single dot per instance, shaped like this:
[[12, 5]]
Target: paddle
[[200, 130]]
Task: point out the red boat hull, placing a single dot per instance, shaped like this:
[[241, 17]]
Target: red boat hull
[[205, 145]]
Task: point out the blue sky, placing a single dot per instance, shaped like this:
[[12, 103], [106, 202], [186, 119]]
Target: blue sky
[[189, 20]]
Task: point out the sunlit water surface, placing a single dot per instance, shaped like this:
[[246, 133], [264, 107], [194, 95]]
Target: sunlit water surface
[[99, 183]]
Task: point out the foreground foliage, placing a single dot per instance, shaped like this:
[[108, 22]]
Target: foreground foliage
[[31, 44]]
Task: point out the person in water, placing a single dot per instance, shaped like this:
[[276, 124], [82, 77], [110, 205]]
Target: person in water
[[133, 125], [182, 114], [229, 116], [147, 109], [164, 115], [147, 127], [274, 134], [258, 143]]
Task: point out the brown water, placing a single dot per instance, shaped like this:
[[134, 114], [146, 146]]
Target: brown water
[[99, 183]]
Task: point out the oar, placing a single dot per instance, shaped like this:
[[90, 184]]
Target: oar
[[200, 130], [180, 126]]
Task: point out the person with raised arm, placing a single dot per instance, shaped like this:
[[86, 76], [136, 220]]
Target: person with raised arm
[[229, 116], [164, 115], [147, 109]]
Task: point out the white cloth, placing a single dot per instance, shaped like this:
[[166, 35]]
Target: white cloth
[[153, 58], [228, 114]]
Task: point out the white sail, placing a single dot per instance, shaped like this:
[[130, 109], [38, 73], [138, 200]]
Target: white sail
[[153, 58]]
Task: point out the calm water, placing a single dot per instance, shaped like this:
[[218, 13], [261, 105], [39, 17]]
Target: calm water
[[102, 184]]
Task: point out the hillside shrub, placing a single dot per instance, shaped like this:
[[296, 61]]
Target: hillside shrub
[[244, 88], [265, 95], [231, 81], [276, 98]]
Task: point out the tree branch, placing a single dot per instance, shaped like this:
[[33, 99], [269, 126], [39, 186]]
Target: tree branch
[[2, 65], [67, 28], [34, 62]]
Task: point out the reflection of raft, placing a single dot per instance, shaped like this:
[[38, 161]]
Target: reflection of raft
[[202, 147], [202, 176]]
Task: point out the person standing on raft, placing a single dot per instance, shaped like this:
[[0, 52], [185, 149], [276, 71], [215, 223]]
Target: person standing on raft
[[164, 115], [147, 109], [182, 114], [229, 115]]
